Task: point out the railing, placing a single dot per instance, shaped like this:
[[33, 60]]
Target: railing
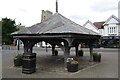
[[9, 47]]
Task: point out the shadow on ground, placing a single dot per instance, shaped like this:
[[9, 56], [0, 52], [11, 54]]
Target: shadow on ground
[[56, 63]]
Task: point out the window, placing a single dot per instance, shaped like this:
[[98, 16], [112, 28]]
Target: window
[[109, 30], [101, 31], [114, 30]]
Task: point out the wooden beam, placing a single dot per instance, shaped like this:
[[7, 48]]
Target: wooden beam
[[47, 36], [28, 45]]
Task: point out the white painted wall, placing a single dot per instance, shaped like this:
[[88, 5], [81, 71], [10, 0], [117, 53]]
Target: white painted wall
[[112, 21], [111, 30], [101, 31], [118, 30], [91, 27], [105, 31]]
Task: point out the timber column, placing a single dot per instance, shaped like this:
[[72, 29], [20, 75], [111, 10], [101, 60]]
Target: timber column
[[91, 49], [67, 46], [76, 49], [29, 58], [66, 55], [53, 49]]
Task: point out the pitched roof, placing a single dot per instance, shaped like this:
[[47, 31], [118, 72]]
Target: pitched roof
[[112, 16], [90, 23], [99, 25], [56, 24]]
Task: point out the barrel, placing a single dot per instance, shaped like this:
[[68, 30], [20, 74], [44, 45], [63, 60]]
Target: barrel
[[29, 63]]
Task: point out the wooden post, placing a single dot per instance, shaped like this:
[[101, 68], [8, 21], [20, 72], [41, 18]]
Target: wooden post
[[46, 46], [31, 49], [66, 55], [119, 42], [25, 48], [91, 49], [29, 58], [76, 50], [18, 46], [53, 49], [66, 52], [28, 46]]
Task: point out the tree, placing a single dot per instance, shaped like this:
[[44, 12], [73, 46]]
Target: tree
[[8, 26]]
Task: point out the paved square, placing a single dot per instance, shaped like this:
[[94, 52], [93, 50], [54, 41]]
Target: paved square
[[108, 68]]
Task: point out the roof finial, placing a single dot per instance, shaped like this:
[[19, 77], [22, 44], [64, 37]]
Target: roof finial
[[56, 6]]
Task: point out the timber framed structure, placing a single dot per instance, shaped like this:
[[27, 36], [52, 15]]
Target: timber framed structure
[[56, 30]]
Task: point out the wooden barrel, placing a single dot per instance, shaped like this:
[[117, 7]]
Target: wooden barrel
[[29, 63]]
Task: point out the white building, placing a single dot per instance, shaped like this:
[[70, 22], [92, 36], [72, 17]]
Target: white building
[[96, 27], [100, 27], [109, 30], [111, 26], [91, 26]]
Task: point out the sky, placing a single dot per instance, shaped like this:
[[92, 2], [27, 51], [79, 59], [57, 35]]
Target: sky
[[28, 12]]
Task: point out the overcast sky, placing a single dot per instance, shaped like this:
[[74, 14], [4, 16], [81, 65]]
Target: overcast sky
[[28, 12]]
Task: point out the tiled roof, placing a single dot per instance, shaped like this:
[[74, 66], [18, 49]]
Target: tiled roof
[[99, 25], [56, 24]]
